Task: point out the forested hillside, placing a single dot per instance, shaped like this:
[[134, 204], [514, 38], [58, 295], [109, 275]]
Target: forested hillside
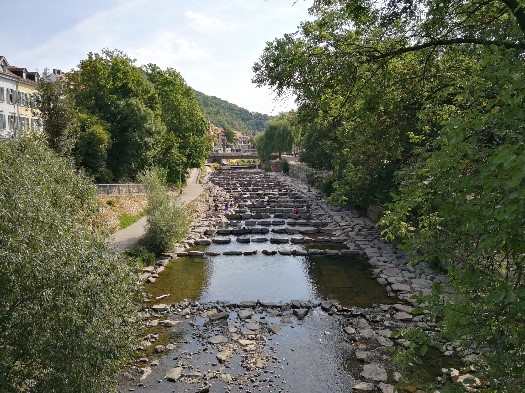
[[227, 115]]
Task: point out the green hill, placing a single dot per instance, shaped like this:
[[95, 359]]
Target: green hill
[[224, 114]]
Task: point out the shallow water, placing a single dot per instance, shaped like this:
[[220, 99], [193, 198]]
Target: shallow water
[[276, 278]]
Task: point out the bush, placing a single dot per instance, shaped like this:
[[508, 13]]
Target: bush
[[326, 184], [266, 166], [167, 221], [68, 304], [141, 255], [285, 166]]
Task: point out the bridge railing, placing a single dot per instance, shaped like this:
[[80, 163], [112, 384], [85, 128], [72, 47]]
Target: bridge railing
[[121, 189]]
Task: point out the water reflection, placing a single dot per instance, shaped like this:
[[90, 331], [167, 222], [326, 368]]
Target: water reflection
[[348, 280], [275, 278], [183, 278]]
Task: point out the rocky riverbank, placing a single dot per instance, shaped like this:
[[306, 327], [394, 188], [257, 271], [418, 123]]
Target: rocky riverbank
[[249, 346]]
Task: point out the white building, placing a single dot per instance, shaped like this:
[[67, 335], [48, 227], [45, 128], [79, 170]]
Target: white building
[[17, 100]]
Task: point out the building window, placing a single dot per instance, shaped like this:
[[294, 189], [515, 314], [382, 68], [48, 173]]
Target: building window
[[35, 124], [10, 96], [12, 120], [3, 123], [2, 94], [33, 100]]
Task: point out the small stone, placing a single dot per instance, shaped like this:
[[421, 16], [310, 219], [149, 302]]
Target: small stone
[[361, 355], [401, 287], [402, 316], [224, 377], [386, 388], [349, 330], [300, 313], [174, 374], [224, 356], [364, 387], [219, 339], [168, 323], [374, 372], [160, 348], [245, 313], [219, 315]]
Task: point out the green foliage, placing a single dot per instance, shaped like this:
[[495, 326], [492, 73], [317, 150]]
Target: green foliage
[[186, 126], [141, 255], [125, 219], [277, 138], [461, 204], [132, 118], [92, 142], [326, 184], [56, 111], [230, 135], [230, 116], [110, 88], [432, 91], [266, 166], [168, 223], [285, 166], [68, 304]]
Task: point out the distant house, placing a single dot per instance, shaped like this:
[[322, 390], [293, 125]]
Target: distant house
[[18, 112], [241, 144], [54, 76]]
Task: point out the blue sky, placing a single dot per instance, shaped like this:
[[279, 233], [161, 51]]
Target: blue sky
[[212, 43]]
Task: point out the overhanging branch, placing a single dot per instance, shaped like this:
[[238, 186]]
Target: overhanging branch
[[452, 41]]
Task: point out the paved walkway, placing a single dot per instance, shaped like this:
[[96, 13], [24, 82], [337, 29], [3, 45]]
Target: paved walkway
[[129, 236]]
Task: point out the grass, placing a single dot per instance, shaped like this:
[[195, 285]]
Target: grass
[[141, 255], [126, 219]]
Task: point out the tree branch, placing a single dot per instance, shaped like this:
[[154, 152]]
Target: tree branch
[[518, 11], [445, 42]]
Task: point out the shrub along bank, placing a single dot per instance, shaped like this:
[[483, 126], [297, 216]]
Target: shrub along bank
[[68, 304]]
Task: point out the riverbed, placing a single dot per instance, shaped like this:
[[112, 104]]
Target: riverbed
[[279, 292]]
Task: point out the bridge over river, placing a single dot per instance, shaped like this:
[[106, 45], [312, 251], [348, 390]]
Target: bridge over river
[[246, 154]]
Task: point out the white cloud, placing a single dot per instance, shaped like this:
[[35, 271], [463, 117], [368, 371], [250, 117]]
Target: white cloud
[[166, 48], [203, 21]]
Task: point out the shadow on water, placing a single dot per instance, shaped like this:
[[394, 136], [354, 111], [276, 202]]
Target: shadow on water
[[347, 280], [183, 278]]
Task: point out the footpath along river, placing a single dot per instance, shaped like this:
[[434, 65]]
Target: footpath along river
[[281, 292]]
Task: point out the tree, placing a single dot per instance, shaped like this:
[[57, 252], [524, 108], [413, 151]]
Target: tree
[[68, 304], [277, 138], [182, 116], [56, 111], [229, 135], [92, 142], [460, 205], [111, 88]]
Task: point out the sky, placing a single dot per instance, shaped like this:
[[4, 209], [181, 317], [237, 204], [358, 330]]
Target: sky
[[213, 44]]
